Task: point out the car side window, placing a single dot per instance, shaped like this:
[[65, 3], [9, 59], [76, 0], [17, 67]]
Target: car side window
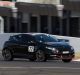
[[27, 38], [12, 38], [39, 38], [15, 38], [31, 39], [24, 38]]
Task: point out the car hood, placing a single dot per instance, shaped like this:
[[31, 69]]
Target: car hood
[[61, 46], [57, 43]]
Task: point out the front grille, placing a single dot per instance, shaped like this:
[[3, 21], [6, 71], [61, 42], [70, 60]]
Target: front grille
[[63, 48]]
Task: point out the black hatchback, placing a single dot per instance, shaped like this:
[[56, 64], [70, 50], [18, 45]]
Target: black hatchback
[[37, 47]]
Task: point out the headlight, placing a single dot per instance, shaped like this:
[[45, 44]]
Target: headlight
[[53, 49]]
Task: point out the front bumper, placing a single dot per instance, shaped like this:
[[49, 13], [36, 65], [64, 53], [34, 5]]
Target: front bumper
[[62, 56]]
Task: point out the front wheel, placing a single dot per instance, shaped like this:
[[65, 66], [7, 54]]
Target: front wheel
[[40, 56], [7, 55], [67, 60]]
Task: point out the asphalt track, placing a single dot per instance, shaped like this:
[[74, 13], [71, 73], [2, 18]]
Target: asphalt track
[[25, 67]]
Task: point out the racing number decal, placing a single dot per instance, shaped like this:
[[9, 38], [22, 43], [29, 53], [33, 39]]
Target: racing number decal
[[31, 49]]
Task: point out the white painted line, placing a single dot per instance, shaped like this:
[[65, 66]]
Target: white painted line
[[70, 68]]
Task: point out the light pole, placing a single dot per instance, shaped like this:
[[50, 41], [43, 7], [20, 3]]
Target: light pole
[[60, 14]]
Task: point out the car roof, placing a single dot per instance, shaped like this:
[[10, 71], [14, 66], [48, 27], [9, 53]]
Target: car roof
[[32, 34], [36, 33]]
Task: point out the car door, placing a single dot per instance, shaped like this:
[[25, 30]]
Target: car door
[[17, 45], [23, 44], [27, 44]]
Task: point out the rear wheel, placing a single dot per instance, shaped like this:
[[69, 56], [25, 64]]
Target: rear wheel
[[66, 60], [7, 55], [40, 56]]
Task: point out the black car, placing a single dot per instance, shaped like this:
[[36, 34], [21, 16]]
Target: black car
[[37, 47]]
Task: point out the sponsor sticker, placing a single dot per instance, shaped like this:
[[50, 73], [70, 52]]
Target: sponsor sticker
[[31, 49]]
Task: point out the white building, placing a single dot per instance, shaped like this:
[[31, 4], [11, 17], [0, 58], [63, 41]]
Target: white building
[[60, 17], [47, 1], [24, 0]]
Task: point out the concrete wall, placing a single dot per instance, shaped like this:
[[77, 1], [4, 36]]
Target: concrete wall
[[47, 1], [24, 0], [75, 42]]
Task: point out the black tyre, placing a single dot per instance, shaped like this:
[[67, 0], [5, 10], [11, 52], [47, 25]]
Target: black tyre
[[67, 60], [40, 56], [7, 55]]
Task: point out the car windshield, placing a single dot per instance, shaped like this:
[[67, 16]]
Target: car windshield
[[45, 38]]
